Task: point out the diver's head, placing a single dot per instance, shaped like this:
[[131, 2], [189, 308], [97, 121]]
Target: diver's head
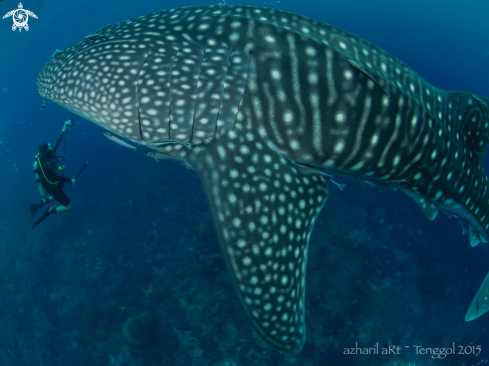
[[43, 148], [45, 151]]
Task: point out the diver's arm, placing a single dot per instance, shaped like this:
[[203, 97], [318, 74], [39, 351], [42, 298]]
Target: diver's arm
[[66, 125], [64, 179], [58, 141]]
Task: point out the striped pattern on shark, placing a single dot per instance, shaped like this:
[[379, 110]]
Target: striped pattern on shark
[[257, 101]]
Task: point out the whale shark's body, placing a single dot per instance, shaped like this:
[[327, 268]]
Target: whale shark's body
[[257, 101]]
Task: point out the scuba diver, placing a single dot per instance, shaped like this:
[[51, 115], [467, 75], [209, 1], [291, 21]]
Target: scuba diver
[[50, 179]]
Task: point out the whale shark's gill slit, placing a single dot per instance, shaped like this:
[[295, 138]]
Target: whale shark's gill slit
[[139, 122], [296, 73], [170, 93], [137, 92], [196, 95], [245, 83], [228, 67]]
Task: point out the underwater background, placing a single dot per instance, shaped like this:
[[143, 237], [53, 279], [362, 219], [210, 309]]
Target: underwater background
[[133, 275]]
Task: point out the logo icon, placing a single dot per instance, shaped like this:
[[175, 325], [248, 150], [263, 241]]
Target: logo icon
[[20, 17]]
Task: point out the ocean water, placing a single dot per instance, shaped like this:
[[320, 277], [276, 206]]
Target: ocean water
[[134, 276]]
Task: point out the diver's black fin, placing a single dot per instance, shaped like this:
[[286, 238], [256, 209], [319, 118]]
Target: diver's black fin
[[49, 211], [35, 206]]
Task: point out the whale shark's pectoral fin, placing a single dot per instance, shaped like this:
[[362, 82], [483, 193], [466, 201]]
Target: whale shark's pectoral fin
[[264, 208], [480, 304]]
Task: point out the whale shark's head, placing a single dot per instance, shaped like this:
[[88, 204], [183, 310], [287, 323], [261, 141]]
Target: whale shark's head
[[98, 81]]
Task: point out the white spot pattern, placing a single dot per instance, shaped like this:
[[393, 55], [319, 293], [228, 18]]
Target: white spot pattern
[[188, 77]]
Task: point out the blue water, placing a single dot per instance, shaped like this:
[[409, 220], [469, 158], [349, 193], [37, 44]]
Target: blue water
[[140, 242]]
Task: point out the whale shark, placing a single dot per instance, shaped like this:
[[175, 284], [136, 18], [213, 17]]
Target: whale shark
[[259, 102]]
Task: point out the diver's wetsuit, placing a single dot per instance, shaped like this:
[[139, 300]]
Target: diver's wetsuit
[[51, 178], [52, 181]]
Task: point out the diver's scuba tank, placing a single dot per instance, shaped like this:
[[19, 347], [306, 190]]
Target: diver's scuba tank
[[42, 190]]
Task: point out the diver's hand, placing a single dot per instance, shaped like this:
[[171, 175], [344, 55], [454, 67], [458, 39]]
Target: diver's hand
[[73, 180], [68, 124]]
